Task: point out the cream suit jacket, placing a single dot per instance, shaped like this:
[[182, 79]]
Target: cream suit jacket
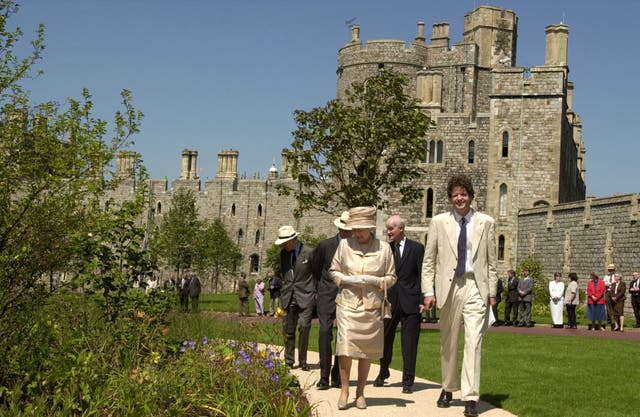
[[441, 256]]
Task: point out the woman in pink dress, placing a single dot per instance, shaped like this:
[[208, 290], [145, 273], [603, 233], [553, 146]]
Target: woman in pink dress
[[258, 296]]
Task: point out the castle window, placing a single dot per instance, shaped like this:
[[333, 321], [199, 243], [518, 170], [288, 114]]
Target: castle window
[[503, 200], [106, 205], [159, 208], [472, 152], [505, 144], [259, 210], [233, 210], [439, 154], [381, 65], [501, 248], [429, 203], [432, 151], [257, 237], [255, 262]]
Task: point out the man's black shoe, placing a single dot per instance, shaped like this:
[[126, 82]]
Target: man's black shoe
[[304, 367], [335, 383], [508, 323], [406, 389], [445, 400], [378, 382], [470, 409], [530, 324], [323, 384]]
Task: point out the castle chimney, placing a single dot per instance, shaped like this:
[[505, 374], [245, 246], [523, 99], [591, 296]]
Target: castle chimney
[[557, 43], [421, 36], [355, 33], [227, 164], [125, 164], [440, 35]]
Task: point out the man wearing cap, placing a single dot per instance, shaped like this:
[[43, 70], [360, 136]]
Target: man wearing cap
[[405, 304], [609, 279], [326, 302], [460, 259], [297, 295]]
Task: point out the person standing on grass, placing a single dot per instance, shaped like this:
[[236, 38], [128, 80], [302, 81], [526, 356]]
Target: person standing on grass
[[556, 301], [258, 296], [512, 302], [243, 295], [595, 302], [275, 284], [634, 290], [618, 291], [572, 299], [195, 288], [525, 291]]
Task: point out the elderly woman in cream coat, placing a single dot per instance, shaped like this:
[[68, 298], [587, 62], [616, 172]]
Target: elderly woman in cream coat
[[361, 267]]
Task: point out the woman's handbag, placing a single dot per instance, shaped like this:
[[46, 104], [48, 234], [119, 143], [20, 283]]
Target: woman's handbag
[[386, 305]]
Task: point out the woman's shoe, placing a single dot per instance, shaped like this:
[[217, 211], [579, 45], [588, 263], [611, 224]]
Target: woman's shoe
[[361, 403], [342, 403]]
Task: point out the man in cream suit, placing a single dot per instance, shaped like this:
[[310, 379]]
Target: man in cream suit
[[460, 259]]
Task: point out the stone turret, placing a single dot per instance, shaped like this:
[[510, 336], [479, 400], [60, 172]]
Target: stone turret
[[125, 164], [495, 31]]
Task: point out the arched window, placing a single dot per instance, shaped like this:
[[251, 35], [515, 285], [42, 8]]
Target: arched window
[[233, 210], [259, 210], [257, 237], [255, 262], [239, 236], [432, 151], [472, 152], [439, 153], [503, 200], [429, 203], [106, 205], [505, 144], [501, 248], [159, 208]]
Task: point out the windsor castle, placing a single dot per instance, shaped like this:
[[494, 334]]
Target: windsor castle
[[512, 129]]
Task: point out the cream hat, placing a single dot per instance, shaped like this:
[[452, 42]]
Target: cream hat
[[362, 218], [611, 266], [285, 234], [341, 222]]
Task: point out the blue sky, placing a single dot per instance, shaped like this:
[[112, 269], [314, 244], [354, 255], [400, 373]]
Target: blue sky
[[213, 74]]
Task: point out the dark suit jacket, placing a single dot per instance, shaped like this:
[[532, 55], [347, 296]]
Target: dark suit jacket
[[298, 281], [406, 293], [512, 290], [327, 288]]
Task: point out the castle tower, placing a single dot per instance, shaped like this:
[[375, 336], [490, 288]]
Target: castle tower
[[189, 165], [495, 31], [557, 37], [227, 164], [440, 35]]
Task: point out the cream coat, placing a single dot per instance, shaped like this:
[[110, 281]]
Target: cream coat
[[441, 256]]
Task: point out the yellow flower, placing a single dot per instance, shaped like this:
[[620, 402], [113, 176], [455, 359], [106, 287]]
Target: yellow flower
[[155, 357]]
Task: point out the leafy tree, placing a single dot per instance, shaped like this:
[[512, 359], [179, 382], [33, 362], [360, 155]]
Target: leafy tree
[[54, 170], [176, 241], [354, 152], [217, 253]]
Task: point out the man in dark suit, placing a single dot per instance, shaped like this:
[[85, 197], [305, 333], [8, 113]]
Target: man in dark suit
[[298, 294], [184, 291], [634, 290], [512, 301], [326, 301], [195, 287], [405, 304], [525, 291]]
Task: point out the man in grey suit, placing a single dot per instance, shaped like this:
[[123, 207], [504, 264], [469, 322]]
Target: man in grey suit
[[460, 262], [326, 302], [298, 294], [525, 290], [405, 304]]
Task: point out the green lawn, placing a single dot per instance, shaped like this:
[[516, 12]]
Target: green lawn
[[528, 375]]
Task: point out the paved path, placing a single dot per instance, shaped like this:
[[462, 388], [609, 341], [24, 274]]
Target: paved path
[[387, 401]]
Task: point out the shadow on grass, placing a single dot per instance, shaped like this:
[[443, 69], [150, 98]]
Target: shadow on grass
[[494, 399]]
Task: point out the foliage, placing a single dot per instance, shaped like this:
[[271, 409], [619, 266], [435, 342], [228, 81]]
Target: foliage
[[216, 252], [354, 152], [54, 168], [176, 238]]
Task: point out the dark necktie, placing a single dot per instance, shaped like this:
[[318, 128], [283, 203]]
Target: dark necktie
[[397, 252], [462, 248]]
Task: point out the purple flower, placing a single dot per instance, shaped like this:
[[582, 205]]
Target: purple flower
[[232, 343], [182, 349], [205, 340], [275, 377], [269, 364], [287, 393]]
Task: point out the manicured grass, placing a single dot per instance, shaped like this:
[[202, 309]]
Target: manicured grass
[[528, 375]]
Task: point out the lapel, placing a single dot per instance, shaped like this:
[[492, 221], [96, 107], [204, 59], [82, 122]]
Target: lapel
[[450, 227], [478, 229]]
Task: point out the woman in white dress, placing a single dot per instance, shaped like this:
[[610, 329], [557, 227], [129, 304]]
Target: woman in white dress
[[361, 267], [556, 300]]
